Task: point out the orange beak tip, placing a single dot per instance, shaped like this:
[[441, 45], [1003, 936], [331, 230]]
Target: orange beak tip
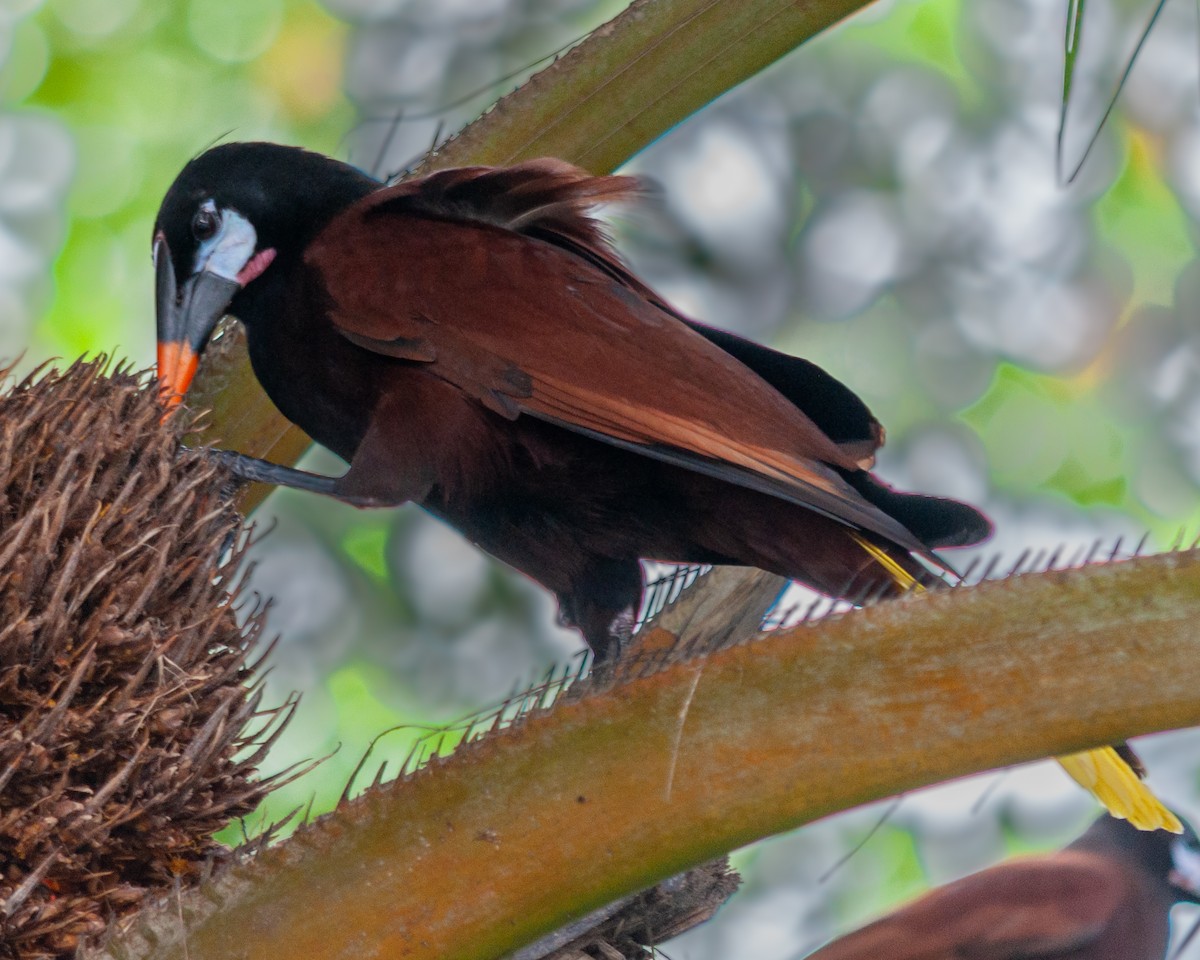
[[177, 364]]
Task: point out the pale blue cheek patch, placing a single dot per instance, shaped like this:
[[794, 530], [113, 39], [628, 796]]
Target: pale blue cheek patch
[[230, 250], [1186, 860]]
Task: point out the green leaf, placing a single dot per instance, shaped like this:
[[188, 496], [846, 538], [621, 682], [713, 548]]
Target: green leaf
[[1075, 11]]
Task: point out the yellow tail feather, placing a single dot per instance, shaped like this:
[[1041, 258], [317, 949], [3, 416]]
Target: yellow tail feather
[[1102, 772], [903, 579], [1115, 785]]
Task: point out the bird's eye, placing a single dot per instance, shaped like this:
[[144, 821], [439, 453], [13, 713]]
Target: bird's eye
[[205, 224]]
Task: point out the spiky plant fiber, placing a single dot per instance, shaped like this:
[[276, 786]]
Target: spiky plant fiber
[[639, 922], [124, 673]]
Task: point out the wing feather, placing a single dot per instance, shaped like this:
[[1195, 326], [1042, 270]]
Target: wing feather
[[435, 275], [1023, 910]]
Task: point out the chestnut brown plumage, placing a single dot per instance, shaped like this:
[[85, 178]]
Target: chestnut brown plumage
[[470, 341], [1107, 896], [124, 669]]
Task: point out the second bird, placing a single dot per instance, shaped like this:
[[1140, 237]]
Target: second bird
[[1108, 896]]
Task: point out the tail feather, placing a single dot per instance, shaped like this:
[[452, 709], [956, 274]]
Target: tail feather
[[1112, 781], [1103, 772], [901, 577]]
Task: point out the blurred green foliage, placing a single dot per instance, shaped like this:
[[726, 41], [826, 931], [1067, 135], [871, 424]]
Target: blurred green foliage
[[922, 33], [142, 87]]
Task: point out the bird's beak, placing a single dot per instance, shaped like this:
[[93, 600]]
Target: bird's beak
[[186, 318]]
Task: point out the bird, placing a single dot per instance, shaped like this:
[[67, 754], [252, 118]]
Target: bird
[[1106, 896], [471, 341]]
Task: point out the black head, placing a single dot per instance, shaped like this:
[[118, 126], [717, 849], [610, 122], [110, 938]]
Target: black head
[[1184, 875], [234, 213], [1169, 858]]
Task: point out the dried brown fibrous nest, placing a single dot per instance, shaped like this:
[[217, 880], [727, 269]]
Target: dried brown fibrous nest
[[125, 684]]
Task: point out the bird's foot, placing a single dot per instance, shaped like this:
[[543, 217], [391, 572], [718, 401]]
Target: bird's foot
[[616, 638], [253, 470], [249, 469]]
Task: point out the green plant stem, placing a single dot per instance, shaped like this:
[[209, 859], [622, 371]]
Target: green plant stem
[[576, 806], [637, 76]]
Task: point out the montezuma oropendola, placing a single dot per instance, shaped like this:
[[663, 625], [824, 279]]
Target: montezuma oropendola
[[1107, 896], [470, 341]]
